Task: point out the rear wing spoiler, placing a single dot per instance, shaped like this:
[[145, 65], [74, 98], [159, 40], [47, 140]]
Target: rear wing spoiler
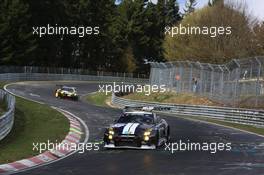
[[145, 108]]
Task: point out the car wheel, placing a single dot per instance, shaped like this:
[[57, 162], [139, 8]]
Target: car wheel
[[168, 134], [157, 140]]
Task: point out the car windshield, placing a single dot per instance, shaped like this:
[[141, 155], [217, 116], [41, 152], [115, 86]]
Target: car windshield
[[136, 118], [68, 89]]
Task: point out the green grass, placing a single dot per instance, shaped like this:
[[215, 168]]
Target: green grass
[[2, 104], [98, 99], [171, 97], [3, 107], [2, 84], [249, 128], [33, 123]]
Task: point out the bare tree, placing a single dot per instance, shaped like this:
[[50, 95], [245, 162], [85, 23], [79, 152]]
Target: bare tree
[[190, 6]]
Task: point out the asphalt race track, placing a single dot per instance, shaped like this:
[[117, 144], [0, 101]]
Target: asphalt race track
[[245, 158]]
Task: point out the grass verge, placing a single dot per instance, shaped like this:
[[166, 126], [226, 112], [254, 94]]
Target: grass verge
[[2, 103], [98, 99], [34, 123], [2, 84], [171, 97], [2, 107], [248, 102], [249, 128]]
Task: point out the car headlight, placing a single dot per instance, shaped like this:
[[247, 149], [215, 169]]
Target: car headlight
[[146, 138], [111, 131], [147, 133]]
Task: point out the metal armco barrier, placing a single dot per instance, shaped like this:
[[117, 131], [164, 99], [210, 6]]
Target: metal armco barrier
[[7, 119], [67, 77], [234, 115]]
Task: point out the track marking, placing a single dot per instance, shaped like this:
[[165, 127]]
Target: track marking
[[5, 88], [34, 95]]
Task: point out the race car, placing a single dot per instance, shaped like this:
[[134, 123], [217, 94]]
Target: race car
[[66, 92], [137, 130]]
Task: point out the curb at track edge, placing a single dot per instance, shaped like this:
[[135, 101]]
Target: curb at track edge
[[85, 127]]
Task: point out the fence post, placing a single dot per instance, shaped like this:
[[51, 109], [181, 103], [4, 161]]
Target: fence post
[[251, 69], [191, 76], [221, 80], [201, 77], [152, 73], [258, 83], [237, 78], [181, 78], [170, 75], [211, 79]]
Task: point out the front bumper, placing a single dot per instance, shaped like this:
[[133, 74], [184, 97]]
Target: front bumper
[[72, 97], [130, 142], [146, 147]]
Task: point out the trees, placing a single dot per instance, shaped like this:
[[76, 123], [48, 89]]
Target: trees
[[49, 48], [97, 50], [214, 2], [172, 12], [217, 49], [131, 30], [190, 6], [145, 23], [259, 38], [16, 41]]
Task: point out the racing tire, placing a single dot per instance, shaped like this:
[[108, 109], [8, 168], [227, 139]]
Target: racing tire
[[157, 140], [168, 135]]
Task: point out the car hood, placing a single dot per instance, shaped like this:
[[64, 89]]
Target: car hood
[[68, 93], [131, 128]]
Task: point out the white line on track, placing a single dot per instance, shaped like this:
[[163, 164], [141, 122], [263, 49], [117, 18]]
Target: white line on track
[[5, 88], [34, 95]]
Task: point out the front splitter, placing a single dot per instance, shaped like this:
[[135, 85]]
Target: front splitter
[[112, 146]]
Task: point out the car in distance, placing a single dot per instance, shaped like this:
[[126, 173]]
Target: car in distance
[[137, 130], [67, 93]]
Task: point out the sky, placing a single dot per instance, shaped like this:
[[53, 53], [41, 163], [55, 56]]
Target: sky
[[256, 7]]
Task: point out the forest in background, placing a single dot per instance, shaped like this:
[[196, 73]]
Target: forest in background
[[131, 34]]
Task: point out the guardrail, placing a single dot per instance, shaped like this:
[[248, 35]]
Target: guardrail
[[67, 77], [7, 119], [234, 115]]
